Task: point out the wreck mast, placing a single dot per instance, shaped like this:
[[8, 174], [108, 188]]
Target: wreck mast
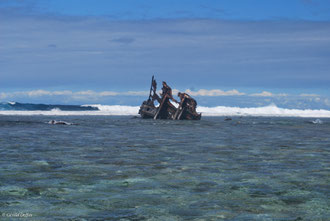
[[152, 81]]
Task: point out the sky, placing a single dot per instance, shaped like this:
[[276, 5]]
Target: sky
[[223, 52]]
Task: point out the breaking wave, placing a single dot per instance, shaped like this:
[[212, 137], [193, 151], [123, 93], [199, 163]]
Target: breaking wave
[[98, 109], [267, 111]]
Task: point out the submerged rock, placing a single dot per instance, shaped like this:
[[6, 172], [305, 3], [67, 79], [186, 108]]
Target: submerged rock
[[59, 122], [13, 190]]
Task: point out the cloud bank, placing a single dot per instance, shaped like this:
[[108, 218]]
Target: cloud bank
[[88, 52], [91, 93]]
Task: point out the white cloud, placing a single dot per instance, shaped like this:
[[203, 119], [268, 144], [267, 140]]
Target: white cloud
[[268, 94], [3, 96], [309, 95], [62, 92], [327, 102], [136, 93], [214, 92], [86, 93], [108, 93], [78, 94], [262, 94], [37, 93], [91, 93]]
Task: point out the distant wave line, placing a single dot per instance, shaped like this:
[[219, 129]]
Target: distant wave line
[[121, 110]]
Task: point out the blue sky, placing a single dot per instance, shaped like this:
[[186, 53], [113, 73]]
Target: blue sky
[[168, 9], [104, 51]]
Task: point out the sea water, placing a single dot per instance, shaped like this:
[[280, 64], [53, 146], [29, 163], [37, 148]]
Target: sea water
[[127, 168]]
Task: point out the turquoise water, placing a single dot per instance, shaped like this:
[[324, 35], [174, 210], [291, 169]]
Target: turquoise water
[[124, 168]]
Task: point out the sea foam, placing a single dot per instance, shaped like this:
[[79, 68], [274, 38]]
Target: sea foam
[[117, 110], [267, 111]]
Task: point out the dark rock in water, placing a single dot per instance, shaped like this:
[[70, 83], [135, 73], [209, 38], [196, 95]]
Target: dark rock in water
[[59, 122], [228, 119], [317, 121], [185, 212], [294, 200], [205, 186], [35, 190]]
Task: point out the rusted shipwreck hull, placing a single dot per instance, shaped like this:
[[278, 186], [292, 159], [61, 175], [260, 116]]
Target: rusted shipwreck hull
[[184, 110]]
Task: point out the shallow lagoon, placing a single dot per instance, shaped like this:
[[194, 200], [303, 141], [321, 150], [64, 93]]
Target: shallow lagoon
[[124, 168]]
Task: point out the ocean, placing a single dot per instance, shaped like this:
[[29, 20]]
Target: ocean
[[108, 167]]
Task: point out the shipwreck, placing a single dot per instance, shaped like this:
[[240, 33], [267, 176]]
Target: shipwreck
[[184, 109]]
